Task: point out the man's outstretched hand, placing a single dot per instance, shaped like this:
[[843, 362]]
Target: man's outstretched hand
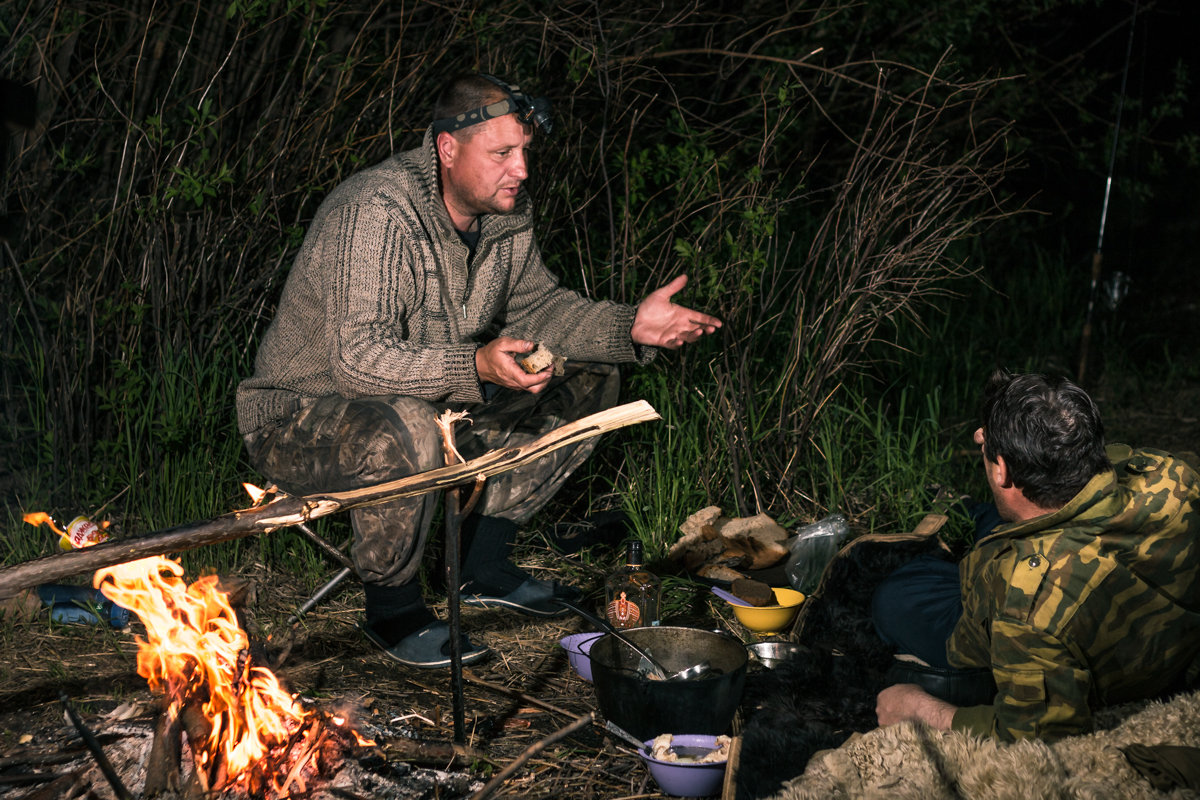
[[496, 362], [661, 323]]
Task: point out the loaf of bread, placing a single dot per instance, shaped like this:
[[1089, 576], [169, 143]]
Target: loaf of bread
[[713, 540]]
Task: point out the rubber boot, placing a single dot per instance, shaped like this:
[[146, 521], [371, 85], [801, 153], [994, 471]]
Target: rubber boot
[[394, 612]]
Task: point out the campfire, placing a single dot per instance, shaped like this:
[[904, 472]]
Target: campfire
[[246, 734]]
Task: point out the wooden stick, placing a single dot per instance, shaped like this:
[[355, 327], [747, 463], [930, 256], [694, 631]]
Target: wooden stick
[[530, 752], [453, 520], [729, 785], [421, 751], [286, 510], [528, 698], [166, 751], [89, 738]]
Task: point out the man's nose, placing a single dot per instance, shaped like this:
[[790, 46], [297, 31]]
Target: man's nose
[[519, 169]]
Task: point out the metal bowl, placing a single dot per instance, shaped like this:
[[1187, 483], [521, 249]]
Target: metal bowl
[[772, 654]]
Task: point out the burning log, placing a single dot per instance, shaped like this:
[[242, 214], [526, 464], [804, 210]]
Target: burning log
[[286, 510], [166, 751]]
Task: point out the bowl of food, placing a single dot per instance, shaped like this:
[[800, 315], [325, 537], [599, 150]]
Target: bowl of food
[[578, 647], [772, 619], [687, 765], [772, 654]]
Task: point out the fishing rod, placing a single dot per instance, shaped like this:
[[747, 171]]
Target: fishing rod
[[1097, 257]]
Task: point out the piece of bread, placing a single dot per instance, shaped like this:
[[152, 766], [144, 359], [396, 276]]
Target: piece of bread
[[719, 572], [760, 537], [709, 538], [540, 358], [756, 593], [700, 541], [757, 553]]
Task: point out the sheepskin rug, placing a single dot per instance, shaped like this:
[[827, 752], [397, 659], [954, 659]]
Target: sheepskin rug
[[912, 762]]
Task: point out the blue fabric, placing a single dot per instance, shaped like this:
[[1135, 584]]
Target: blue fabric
[[75, 605], [916, 607]]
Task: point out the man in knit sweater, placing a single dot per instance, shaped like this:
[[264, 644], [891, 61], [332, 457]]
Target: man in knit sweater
[[416, 289]]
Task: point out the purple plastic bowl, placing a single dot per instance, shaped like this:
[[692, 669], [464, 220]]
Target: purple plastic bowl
[[686, 779], [577, 646]]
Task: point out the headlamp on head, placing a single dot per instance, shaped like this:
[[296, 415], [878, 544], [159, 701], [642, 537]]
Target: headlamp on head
[[529, 110]]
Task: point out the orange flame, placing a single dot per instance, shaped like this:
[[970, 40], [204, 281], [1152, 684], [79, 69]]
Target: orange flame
[[40, 517], [195, 650]]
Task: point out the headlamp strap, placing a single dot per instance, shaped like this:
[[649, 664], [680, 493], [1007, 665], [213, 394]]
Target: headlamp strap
[[517, 102]]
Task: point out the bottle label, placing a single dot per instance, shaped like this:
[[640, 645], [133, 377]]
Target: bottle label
[[81, 532], [623, 612]]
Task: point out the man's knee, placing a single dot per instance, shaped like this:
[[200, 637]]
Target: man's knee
[[587, 388], [391, 437]]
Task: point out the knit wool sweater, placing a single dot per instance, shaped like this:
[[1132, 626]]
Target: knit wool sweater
[[381, 299]]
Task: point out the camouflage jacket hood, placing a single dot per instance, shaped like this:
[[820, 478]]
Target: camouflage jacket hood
[[1098, 602]]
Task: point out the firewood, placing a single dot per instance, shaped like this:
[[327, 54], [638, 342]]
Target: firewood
[[166, 750], [198, 728], [286, 510], [431, 753]]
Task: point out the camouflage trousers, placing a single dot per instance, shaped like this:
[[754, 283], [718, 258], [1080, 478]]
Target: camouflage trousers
[[332, 444]]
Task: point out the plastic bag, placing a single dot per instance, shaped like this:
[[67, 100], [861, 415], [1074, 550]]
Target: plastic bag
[[812, 548]]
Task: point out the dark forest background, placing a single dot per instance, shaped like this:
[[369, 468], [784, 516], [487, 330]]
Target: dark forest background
[[883, 199]]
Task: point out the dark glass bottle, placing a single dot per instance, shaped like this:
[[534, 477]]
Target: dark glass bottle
[[632, 593]]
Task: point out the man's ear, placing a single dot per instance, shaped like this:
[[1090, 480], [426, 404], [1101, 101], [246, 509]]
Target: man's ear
[[1000, 473], [447, 148]]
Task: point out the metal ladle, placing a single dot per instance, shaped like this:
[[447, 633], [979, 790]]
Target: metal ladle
[[659, 672]]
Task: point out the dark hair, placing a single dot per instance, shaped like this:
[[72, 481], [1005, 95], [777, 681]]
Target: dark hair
[[1048, 431], [466, 92]]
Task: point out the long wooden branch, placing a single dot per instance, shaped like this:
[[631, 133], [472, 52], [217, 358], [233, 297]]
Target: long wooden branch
[[288, 510]]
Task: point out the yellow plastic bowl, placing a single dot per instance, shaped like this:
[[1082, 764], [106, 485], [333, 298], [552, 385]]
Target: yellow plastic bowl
[[771, 619]]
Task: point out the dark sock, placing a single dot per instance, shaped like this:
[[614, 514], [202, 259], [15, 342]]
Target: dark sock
[[487, 568], [393, 612]]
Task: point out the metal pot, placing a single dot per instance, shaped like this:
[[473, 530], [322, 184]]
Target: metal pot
[[647, 708]]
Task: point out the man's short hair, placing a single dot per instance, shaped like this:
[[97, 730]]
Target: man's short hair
[[463, 93], [1049, 433]]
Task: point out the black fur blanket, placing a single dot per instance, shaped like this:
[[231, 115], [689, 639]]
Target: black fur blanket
[[818, 700]]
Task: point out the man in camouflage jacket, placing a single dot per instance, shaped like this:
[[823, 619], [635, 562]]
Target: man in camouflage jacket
[[418, 285], [1089, 595]]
